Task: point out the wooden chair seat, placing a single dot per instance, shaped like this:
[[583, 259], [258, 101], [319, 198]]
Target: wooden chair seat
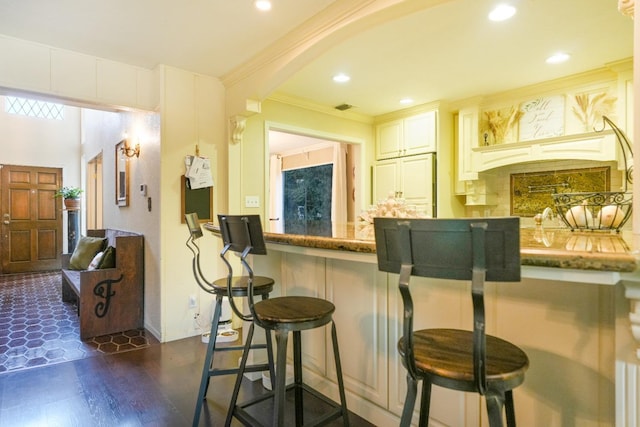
[[239, 286], [293, 313], [446, 356]]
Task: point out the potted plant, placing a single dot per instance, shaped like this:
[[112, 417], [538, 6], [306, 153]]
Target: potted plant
[[71, 196]]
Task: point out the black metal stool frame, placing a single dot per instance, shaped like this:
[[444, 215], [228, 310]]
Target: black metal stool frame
[[243, 231], [230, 291]]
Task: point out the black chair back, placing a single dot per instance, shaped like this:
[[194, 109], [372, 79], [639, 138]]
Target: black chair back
[[444, 248], [242, 232], [194, 225]]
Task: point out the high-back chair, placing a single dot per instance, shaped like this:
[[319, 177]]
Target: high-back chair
[[230, 287], [466, 360], [282, 315]]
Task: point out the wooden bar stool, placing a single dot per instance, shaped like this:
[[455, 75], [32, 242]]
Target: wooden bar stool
[[282, 315], [459, 249], [229, 287]]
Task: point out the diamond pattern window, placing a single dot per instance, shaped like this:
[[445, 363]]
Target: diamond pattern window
[[33, 108]]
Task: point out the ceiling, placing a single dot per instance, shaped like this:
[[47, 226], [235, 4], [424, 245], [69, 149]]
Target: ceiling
[[446, 52], [210, 37], [452, 51]]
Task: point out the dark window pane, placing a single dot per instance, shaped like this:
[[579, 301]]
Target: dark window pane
[[307, 200]]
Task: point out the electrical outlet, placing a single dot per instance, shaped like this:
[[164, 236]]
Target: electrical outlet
[[193, 302], [252, 202]]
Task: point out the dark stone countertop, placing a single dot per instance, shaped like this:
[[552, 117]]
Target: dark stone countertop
[[553, 247]]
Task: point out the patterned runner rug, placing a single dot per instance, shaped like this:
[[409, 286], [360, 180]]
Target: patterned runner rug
[[37, 328]]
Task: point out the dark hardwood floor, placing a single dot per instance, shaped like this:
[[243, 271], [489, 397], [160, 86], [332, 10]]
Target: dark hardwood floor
[[153, 386]]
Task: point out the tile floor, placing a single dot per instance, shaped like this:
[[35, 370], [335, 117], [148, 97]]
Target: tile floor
[[37, 328]]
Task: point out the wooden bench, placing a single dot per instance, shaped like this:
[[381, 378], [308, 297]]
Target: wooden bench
[[112, 299]]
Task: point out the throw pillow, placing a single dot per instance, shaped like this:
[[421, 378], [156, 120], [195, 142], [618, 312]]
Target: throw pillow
[[95, 261], [85, 250], [108, 259]]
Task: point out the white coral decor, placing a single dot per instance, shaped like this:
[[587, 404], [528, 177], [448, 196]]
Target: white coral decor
[[390, 208]]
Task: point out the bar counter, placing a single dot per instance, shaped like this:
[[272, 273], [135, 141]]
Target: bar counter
[[570, 313], [539, 246]]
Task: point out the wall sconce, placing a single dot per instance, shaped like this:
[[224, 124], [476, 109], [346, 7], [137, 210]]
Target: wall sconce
[[128, 151]]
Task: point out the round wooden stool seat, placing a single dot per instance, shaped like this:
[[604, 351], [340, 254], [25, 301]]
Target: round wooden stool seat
[[294, 313], [284, 315], [261, 286], [446, 356]]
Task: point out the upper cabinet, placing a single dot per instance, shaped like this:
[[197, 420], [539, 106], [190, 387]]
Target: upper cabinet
[[408, 136], [32, 67], [555, 121]]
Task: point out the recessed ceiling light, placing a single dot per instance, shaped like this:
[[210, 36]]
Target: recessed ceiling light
[[341, 78], [502, 12], [263, 5], [406, 101], [557, 58]]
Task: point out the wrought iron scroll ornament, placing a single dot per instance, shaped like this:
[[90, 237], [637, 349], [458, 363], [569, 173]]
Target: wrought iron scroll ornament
[[103, 290], [625, 147]]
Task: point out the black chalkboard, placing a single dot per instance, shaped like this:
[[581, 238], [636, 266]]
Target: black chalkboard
[[199, 201]]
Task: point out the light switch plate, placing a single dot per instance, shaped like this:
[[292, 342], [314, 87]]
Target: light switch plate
[[252, 202]]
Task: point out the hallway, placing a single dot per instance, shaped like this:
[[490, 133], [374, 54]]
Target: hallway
[[37, 328]]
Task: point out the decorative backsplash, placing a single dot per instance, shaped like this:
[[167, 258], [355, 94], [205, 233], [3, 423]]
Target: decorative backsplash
[[531, 192]]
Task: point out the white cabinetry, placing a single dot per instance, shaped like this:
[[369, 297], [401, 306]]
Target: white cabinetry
[[361, 319], [408, 136], [601, 146], [35, 68], [411, 178], [574, 343], [472, 158], [359, 291]]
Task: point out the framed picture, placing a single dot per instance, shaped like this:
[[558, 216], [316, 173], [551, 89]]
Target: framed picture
[[122, 176]]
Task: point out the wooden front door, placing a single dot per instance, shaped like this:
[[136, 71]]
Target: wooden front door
[[31, 218]]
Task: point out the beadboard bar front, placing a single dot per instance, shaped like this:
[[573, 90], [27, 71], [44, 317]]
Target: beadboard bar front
[[578, 336]]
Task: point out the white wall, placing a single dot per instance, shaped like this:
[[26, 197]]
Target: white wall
[[32, 141], [192, 108], [101, 131]]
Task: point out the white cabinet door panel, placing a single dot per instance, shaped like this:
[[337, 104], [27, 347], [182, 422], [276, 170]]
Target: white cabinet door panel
[[417, 181], [385, 179], [359, 291], [389, 139], [420, 134], [411, 178]]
